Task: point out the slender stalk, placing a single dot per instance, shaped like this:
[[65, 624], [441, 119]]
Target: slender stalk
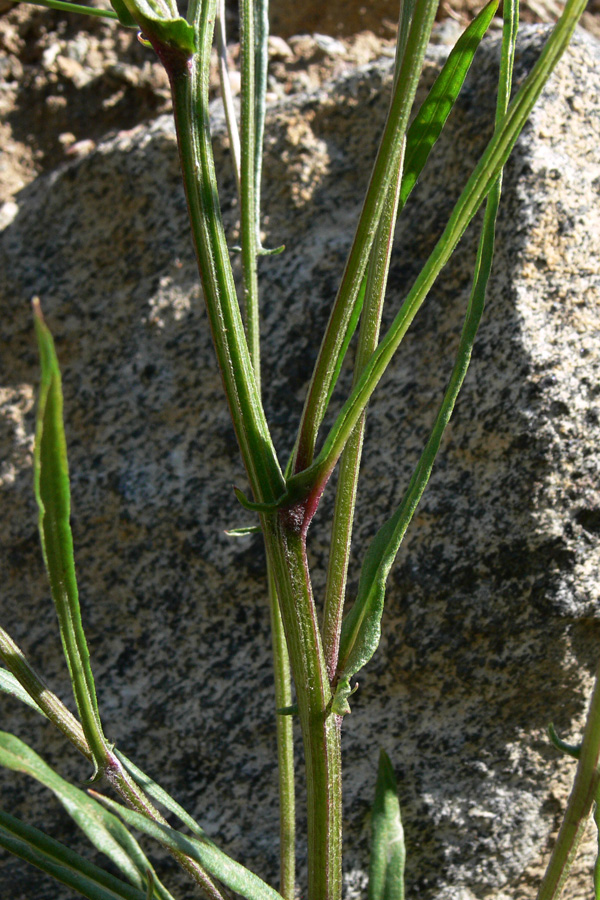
[[384, 174], [135, 798], [343, 517], [585, 791], [74, 7], [480, 183], [226, 93], [189, 85], [285, 537], [345, 501], [285, 748], [248, 199], [53, 708], [261, 65]]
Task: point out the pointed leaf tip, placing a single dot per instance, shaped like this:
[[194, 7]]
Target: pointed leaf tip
[[386, 868]]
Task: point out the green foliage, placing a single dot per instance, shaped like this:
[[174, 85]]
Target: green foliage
[[105, 831], [61, 863], [53, 495], [230, 873], [388, 853], [325, 660]]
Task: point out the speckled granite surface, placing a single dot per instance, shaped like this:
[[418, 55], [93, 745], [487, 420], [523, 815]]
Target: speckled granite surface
[[492, 623]]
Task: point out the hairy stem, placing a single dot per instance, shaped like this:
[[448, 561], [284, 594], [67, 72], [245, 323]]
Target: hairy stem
[[189, 85], [285, 748], [285, 535], [585, 791], [248, 199]]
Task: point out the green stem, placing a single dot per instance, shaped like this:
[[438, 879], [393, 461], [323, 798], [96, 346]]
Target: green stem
[[384, 174], [73, 7], [226, 92], [285, 537], [189, 85], [480, 183], [343, 517], [585, 791], [248, 199], [53, 708], [285, 748], [261, 65], [16, 661]]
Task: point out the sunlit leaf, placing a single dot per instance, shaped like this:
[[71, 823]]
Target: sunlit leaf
[[52, 491], [429, 121], [361, 629]]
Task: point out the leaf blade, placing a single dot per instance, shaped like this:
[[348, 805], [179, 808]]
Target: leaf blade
[[388, 852], [361, 629], [429, 121], [104, 830], [480, 183], [231, 873], [62, 863], [53, 495]]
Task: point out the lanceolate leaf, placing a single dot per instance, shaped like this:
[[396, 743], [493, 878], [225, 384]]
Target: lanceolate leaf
[[203, 851], [52, 491], [479, 185], [62, 863], [386, 868], [431, 117], [361, 629], [105, 831]]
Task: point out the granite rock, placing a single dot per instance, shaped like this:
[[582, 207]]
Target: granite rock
[[493, 614]]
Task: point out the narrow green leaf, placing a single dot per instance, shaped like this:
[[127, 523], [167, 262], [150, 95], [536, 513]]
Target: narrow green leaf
[[64, 6], [291, 710], [431, 117], [202, 850], [386, 868], [52, 491], [426, 128], [572, 750], [385, 173], [361, 629], [479, 185], [62, 863], [159, 794], [10, 685], [105, 831], [244, 531]]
